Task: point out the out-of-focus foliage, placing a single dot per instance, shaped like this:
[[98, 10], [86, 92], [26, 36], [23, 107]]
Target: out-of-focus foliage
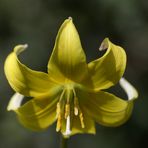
[[36, 22]]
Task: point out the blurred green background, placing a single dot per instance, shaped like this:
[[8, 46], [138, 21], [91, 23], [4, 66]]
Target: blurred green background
[[36, 23]]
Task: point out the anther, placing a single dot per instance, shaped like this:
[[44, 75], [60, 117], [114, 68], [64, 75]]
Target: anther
[[58, 127], [59, 120], [58, 111], [67, 110], [76, 106], [82, 120], [76, 111], [58, 108]]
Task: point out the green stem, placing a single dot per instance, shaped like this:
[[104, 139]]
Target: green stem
[[63, 142]]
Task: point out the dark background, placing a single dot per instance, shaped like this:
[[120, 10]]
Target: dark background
[[36, 22]]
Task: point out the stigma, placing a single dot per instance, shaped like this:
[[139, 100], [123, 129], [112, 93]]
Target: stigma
[[68, 107]]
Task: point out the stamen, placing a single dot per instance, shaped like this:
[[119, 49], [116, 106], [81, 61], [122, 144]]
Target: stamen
[[64, 110], [77, 110]]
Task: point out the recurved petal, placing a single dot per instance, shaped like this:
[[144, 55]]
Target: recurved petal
[[68, 59], [107, 70], [108, 109], [35, 114], [24, 80]]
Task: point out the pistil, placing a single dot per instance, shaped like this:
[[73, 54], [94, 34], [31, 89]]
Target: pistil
[[68, 131]]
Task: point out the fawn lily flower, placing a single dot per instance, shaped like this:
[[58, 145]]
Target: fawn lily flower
[[71, 93]]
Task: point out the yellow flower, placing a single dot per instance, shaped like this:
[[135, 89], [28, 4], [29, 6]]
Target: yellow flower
[[71, 93]]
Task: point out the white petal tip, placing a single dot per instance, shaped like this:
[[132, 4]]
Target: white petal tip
[[70, 18], [25, 46], [20, 48], [129, 89], [15, 102], [103, 46]]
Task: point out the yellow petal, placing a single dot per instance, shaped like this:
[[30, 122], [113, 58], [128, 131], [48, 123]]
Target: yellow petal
[[35, 114], [107, 70], [108, 109], [24, 80], [68, 59]]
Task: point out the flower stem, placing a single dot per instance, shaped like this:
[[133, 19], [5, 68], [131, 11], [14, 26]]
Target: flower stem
[[63, 142]]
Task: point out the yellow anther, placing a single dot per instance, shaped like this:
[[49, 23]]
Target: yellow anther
[[58, 109], [76, 106], [67, 110], [82, 120], [59, 123], [76, 111]]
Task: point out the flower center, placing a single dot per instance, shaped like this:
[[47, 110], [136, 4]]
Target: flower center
[[68, 107]]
